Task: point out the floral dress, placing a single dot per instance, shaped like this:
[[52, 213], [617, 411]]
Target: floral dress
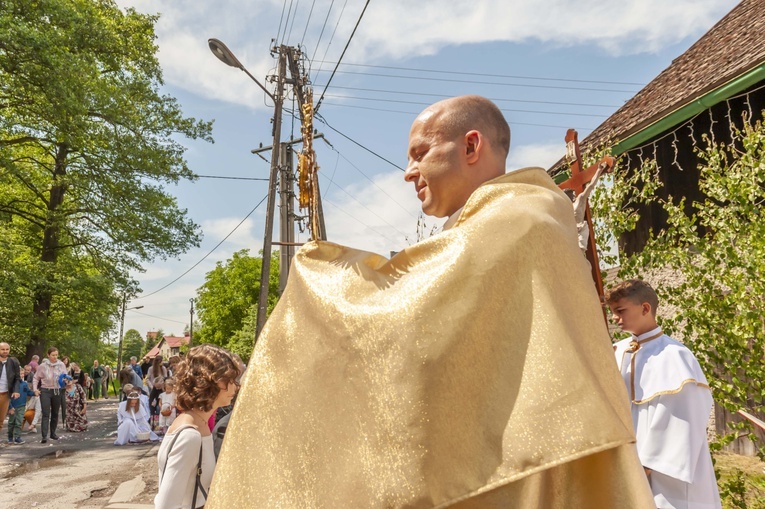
[[75, 402]]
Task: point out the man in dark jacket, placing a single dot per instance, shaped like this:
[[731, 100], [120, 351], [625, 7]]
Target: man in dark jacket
[[10, 379]]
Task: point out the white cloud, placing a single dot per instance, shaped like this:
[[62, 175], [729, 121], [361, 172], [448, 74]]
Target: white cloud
[[540, 154], [379, 217], [399, 29], [243, 238]]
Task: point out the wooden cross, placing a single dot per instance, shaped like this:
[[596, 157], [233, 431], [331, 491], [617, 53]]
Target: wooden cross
[[577, 182]]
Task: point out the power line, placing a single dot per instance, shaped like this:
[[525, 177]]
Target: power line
[[294, 17], [321, 34], [279, 30], [370, 210], [324, 121], [307, 22], [231, 178], [209, 253], [487, 75], [494, 83], [157, 317], [530, 101], [358, 220], [332, 38], [347, 44], [286, 22], [428, 104], [414, 113], [367, 176]]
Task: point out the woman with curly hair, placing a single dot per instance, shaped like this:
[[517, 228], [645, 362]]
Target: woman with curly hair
[[205, 380]]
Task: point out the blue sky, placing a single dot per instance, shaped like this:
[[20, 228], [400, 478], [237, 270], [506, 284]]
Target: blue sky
[[549, 64]]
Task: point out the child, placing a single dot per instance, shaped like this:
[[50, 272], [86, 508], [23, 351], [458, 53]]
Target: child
[[132, 419], [671, 402], [167, 406], [16, 411], [33, 410]]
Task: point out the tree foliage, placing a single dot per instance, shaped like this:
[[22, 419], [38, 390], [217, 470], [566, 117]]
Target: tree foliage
[[227, 302], [715, 257], [132, 346], [87, 146]]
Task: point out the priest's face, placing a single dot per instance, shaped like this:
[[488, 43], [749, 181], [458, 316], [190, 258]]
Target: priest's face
[[632, 317], [435, 165]]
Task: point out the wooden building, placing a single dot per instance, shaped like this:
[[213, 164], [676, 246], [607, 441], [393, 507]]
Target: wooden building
[[717, 84]]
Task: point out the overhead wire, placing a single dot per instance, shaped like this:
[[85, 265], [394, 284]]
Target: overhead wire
[[324, 121], [492, 83], [357, 220], [339, 60], [209, 253], [231, 178], [367, 208], [279, 30], [364, 174], [332, 38], [414, 113], [305, 31], [286, 22], [157, 317], [494, 99], [321, 34], [488, 75], [294, 17], [428, 104]]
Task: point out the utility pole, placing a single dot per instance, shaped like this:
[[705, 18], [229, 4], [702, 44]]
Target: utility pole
[[286, 216], [122, 327], [265, 267], [281, 166], [191, 323]]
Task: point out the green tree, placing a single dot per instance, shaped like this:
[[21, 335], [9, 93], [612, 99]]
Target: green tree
[[229, 294], [715, 257], [87, 144], [132, 345]]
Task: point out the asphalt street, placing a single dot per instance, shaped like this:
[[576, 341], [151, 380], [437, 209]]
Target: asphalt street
[[80, 470]]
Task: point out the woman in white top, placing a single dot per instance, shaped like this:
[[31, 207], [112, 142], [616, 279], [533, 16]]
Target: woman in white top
[[205, 380]]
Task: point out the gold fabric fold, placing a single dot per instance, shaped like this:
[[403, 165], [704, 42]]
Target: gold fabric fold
[[472, 369]]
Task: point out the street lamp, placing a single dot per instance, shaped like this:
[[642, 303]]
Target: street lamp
[[227, 57], [122, 327]]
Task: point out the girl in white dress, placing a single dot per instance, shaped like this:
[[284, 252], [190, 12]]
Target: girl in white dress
[[167, 410], [132, 419]]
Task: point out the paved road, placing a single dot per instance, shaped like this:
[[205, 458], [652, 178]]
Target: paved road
[[81, 470]]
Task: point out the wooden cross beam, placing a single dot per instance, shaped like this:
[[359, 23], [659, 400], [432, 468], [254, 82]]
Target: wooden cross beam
[[578, 182]]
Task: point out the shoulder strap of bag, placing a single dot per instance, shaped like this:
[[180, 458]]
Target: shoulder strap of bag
[[198, 483], [172, 443]]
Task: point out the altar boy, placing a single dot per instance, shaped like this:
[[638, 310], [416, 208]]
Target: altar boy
[[671, 402]]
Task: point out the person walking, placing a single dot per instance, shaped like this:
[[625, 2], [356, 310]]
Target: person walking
[[10, 379], [46, 386], [33, 411], [108, 377], [155, 379], [97, 374], [16, 413]]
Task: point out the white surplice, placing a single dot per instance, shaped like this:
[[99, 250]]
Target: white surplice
[[671, 402]]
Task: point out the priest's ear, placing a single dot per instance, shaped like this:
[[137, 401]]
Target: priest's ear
[[474, 145]]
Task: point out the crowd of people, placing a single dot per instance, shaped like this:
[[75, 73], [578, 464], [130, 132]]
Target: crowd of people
[[50, 392]]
